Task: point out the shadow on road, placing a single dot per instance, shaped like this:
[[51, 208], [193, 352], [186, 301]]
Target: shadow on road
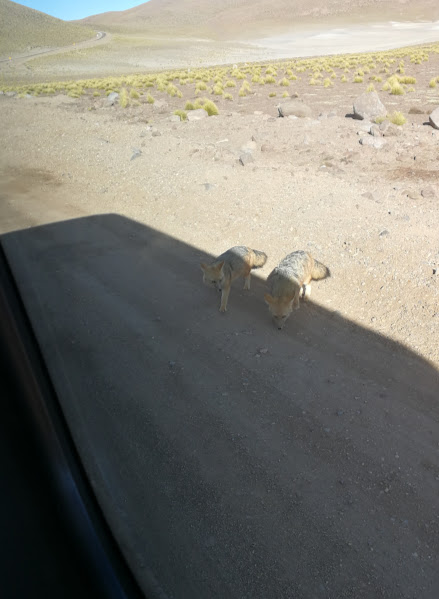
[[231, 459]]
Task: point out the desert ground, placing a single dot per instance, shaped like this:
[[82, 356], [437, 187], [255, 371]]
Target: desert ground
[[232, 459]]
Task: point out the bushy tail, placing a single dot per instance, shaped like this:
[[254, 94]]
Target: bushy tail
[[319, 271], [260, 259]]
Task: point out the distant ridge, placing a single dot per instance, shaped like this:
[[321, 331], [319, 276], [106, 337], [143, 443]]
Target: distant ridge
[[24, 29], [234, 19]]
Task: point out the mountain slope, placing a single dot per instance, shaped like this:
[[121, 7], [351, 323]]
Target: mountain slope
[[23, 28], [245, 18]]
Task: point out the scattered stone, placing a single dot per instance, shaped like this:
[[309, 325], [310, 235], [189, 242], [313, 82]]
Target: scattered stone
[[196, 115], [249, 146], [245, 158], [174, 118], [267, 148], [160, 106], [112, 99], [384, 233], [368, 195], [156, 133], [364, 127], [389, 129], [375, 142], [428, 193], [136, 153], [412, 194], [10, 94], [208, 186], [294, 108], [258, 112], [369, 106], [434, 118], [375, 131]]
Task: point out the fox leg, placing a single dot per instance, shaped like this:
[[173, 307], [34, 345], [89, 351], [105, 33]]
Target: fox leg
[[247, 281], [224, 297], [306, 291], [296, 304]]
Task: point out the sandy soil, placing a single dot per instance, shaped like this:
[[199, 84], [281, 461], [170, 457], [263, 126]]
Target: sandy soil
[[325, 433]]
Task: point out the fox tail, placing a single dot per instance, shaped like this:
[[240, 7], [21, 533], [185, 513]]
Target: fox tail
[[260, 259], [320, 271]]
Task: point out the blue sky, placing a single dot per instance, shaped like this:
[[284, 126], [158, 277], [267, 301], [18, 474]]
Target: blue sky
[[78, 9]]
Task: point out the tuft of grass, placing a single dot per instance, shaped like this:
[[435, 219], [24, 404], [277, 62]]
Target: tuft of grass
[[189, 106], [200, 86], [370, 88], [182, 114], [230, 83], [270, 79], [284, 82], [358, 79], [228, 97], [344, 79], [134, 94], [211, 108], [327, 82], [150, 99], [380, 119], [96, 94], [433, 82], [217, 90], [285, 94], [124, 99], [407, 79], [272, 94], [397, 118]]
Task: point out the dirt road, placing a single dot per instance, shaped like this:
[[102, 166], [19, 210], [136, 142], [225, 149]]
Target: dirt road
[[234, 460]]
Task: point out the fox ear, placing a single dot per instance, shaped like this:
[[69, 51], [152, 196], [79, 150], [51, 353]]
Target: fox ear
[[268, 298], [220, 265]]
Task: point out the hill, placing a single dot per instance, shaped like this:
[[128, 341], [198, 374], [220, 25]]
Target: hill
[[25, 29], [226, 19]]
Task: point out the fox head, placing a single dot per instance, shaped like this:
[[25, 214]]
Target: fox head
[[280, 308], [213, 275]]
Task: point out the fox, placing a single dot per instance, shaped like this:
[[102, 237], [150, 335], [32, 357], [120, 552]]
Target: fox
[[236, 262], [291, 280]]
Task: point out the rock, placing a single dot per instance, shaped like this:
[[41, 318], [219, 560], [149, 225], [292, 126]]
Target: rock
[[155, 133], [368, 195], [160, 106], [112, 99], [384, 233], [369, 106], [249, 146], [434, 118], [10, 94], [364, 127], [136, 153], [375, 131], [388, 129], [174, 118], [245, 158], [375, 142], [428, 193], [294, 108], [267, 148], [196, 115]]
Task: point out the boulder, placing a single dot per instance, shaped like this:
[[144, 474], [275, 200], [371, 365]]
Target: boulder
[[112, 99], [434, 118], [245, 158], [196, 115], [294, 108], [369, 106]]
